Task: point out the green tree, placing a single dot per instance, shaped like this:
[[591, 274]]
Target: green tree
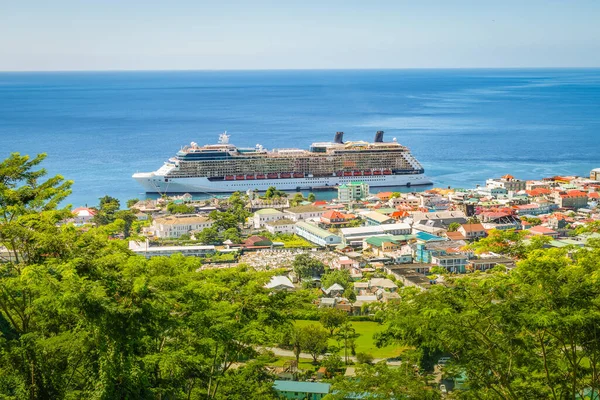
[[208, 236], [339, 276], [346, 336], [509, 242], [175, 208], [332, 363], [132, 202], [311, 197], [453, 227], [332, 318], [106, 210], [232, 234], [313, 340], [306, 266], [297, 199]]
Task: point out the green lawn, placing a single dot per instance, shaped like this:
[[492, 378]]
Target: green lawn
[[364, 343]]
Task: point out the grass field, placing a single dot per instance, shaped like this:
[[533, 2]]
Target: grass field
[[364, 343]]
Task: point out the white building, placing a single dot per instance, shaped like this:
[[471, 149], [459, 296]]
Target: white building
[[314, 234], [507, 182], [174, 226], [281, 226], [408, 200], [353, 191], [301, 213], [266, 215]]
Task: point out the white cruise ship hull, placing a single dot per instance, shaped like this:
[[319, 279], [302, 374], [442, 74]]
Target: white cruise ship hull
[[156, 183]]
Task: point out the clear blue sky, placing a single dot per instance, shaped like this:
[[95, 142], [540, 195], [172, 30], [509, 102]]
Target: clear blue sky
[[264, 34]]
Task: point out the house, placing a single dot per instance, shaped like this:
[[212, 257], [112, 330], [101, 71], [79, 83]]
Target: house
[[424, 251], [281, 226], [384, 196], [301, 213], [266, 215], [353, 191], [335, 290], [279, 283], [483, 264], [174, 226], [409, 201], [386, 243], [375, 218], [83, 215], [455, 263], [255, 241], [543, 231], [472, 231], [317, 235], [333, 217], [293, 390]]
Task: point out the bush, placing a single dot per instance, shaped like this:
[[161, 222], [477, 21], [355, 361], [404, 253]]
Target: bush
[[364, 358]]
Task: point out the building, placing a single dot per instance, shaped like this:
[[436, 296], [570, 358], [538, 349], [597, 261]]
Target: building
[[353, 191], [301, 390], [374, 218], [355, 236], [144, 249], [174, 226], [279, 283], [455, 263], [507, 182], [301, 213], [333, 217], [281, 226], [316, 235], [472, 231], [595, 174], [83, 215], [483, 264], [571, 199], [266, 215], [543, 231], [409, 201]]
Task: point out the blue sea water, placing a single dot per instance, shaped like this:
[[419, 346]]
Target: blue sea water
[[463, 125]]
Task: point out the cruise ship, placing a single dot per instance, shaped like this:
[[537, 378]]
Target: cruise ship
[[225, 168]]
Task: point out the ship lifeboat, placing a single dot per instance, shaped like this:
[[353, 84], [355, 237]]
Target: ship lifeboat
[[348, 173], [339, 173], [285, 175], [229, 177], [260, 176], [239, 177], [298, 175], [356, 173], [250, 177], [376, 172], [272, 176], [367, 173], [387, 171]]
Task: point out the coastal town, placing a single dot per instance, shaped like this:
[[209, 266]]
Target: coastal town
[[370, 245]]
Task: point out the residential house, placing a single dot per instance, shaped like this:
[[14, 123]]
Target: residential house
[[335, 290], [405, 200], [255, 241], [484, 264], [375, 218], [455, 263], [144, 249], [83, 215], [280, 283], [333, 218], [472, 231], [543, 231]]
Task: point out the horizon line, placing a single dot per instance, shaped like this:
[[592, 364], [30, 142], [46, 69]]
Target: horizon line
[[293, 69]]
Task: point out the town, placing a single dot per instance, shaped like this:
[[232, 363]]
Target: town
[[357, 250]]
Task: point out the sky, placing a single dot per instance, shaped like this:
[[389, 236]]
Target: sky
[[287, 34]]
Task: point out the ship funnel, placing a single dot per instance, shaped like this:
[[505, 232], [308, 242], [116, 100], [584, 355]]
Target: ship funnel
[[339, 137], [379, 137]]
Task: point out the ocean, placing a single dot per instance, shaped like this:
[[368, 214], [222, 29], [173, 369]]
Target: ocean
[[465, 126]]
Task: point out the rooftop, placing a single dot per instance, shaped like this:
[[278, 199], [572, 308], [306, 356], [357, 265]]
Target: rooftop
[[301, 387], [304, 209]]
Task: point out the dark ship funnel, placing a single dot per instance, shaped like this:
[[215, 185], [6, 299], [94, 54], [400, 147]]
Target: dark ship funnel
[[379, 137], [339, 137]]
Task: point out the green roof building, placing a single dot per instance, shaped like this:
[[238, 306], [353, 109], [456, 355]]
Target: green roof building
[[301, 390]]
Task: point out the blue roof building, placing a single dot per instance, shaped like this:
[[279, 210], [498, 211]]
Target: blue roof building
[[301, 390]]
